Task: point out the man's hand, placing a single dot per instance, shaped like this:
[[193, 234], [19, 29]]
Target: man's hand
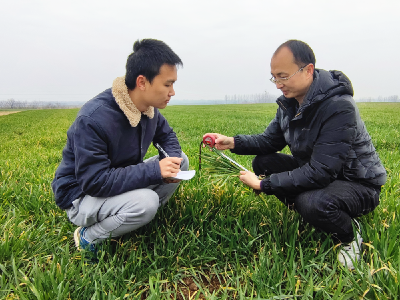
[[169, 167], [222, 142], [250, 179]]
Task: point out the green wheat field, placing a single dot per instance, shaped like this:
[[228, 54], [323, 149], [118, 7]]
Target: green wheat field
[[208, 242]]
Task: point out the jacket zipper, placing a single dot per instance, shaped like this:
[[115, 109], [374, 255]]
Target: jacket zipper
[[283, 106]]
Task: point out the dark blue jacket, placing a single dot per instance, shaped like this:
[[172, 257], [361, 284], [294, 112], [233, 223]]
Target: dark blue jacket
[[104, 153], [325, 135]]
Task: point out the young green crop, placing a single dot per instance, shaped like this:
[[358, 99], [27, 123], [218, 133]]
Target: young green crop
[[219, 170], [231, 243]]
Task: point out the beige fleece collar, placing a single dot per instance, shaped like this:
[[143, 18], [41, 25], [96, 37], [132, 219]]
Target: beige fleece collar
[[120, 93]]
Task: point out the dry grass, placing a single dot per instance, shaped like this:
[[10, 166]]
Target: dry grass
[[3, 113]]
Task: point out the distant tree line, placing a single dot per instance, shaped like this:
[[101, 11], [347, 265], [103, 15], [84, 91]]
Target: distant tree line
[[268, 98], [15, 104], [251, 98], [229, 99], [393, 98]]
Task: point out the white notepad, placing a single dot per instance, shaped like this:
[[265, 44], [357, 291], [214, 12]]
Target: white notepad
[[185, 175]]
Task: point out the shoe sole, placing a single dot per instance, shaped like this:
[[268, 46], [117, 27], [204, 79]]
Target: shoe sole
[[76, 238]]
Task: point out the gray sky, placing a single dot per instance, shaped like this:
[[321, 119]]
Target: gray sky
[[72, 50]]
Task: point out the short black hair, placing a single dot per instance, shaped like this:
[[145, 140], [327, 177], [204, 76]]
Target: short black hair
[[302, 52], [146, 59]]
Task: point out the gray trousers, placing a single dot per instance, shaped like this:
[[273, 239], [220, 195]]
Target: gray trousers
[[114, 216]]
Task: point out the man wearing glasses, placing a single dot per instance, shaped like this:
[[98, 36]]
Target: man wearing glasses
[[334, 173]]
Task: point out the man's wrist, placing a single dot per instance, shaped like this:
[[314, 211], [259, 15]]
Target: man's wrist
[[231, 143], [258, 185]]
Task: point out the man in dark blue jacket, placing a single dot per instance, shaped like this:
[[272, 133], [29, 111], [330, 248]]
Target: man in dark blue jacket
[[102, 181], [334, 173]]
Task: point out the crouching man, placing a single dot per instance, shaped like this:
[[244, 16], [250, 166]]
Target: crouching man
[[103, 183], [334, 174]]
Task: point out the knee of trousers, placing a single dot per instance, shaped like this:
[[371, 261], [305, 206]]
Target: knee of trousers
[[256, 165], [143, 211], [185, 162], [314, 207], [257, 162]]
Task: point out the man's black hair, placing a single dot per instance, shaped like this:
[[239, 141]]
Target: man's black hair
[[146, 59], [302, 52]]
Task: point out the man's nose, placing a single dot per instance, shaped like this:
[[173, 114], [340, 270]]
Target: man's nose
[[172, 92]]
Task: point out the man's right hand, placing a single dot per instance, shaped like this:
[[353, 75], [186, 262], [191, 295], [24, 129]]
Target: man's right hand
[[170, 166], [222, 142]]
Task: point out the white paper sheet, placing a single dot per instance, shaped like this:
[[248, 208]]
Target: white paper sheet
[[185, 175]]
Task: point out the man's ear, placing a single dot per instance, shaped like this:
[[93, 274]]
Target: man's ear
[[141, 82], [310, 70]]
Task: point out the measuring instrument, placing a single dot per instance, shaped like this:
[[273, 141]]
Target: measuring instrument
[[209, 141]]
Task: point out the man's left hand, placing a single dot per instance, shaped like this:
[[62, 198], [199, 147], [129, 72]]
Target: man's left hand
[[250, 179]]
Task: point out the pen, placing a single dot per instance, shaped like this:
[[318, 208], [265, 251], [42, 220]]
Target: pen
[[161, 149]]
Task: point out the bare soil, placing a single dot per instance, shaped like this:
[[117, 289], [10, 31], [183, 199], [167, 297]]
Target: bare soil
[[3, 113], [188, 287]]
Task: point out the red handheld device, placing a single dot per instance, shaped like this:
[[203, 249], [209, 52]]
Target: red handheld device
[[209, 140]]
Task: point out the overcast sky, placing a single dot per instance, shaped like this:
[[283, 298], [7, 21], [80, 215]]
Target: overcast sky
[[72, 50]]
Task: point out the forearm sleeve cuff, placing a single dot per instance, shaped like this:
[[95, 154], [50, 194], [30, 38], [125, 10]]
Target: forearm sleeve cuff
[[237, 145], [266, 186]]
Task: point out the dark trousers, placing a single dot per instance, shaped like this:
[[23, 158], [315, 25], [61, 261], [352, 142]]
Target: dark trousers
[[329, 209]]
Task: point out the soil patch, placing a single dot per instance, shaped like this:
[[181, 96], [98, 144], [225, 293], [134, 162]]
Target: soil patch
[[188, 287], [3, 113]]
